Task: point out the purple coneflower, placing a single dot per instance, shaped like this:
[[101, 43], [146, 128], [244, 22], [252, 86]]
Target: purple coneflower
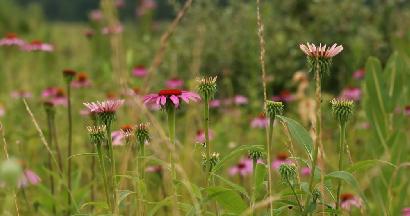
[[11, 39], [139, 71], [311, 50], [359, 74], [37, 45], [351, 93], [281, 158], [96, 15], [405, 212], [200, 136], [81, 81], [215, 103], [117, 138], [172, 96], [348, 200], [119, 3], [242, 168], [284, 96], [240, 100], [116, 29], [28, 178], [174, 83], [2, 111], [146, 6], [305, 171], [154, 169], [55, 95], [109, 106], [20, 94], [260, 121]]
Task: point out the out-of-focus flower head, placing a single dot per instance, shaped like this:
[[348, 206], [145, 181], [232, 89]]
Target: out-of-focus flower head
[[281, 158], [240, 100], [260, 121], [284, 96], [37, 45], [145, 7], [81, 81], [11, 39], [117, 137], [55, 95], [119, 3], [28, 178], [139, 71], [89, 33], [320, 55], [115, 29], [215, 103], [244, 167], [154, 169], [2, 110], [96, 15], [407, 110], [174, 83], [348, 201], [405, 211], [359, 74], [200, 136], [351, 93], [20, 94], [305, 171], [171, 97]]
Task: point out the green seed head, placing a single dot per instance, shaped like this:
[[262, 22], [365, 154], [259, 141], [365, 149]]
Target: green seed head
[[287, 172], [142, 133], [97, 133], [207, 86], [342, 110], [324, 64], [69, 75], [255, 154], [273, 108]]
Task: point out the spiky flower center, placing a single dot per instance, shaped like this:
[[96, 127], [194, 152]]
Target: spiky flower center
[[282, 156], [82, 77], [60, 93], [342, 109], [169, 92], [36, 42], [11, 35], [127, 128], [346, 196]]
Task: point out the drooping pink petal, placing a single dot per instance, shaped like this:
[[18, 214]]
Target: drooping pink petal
[[175, 100]]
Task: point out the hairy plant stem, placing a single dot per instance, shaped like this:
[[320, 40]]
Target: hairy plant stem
[[58, 150], [104, 172], [69, 146], [342, 130], [171, 112], [253, 195], [112, 173], [318, 138], [140, 177], [207, 143], [269, 159], [50, 166], [294, 193]]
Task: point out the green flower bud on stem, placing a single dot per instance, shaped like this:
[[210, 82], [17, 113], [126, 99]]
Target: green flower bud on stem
[[342, 110], [207, 86], [255, 154], [273, 108]]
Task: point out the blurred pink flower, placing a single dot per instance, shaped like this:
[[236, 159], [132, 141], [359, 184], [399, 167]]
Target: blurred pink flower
[[117, 138], [260, 121], [146, 6], [305, 171], [139, 71], [119, 3], [116, 29], [20, 94], [2, 111], [200, 136], [359, 74], [11, 39], [28, 178], [96, 15], [243, 168], [215, 103], [89, 33], [240, 100], [55, 95], [37, 45], [348, 200], [311, 50], [171, 95], [108, 106], [351, 93], [281, 158], [284, 96], [154, 169], [407, 110], [85, 112], [174, 83], [81, 81], [405, 212]]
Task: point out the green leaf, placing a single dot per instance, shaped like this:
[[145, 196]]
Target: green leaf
[[394, 72], [348, 178], [299, 134], [159, 205], [236, 152], [363, 165], [123, 194], [228, 199], [260, 175], [234, 186]]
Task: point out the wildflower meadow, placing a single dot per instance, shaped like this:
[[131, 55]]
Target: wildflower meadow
[[205, 107]]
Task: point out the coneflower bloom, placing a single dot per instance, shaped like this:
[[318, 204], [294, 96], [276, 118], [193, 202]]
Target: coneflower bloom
[[215, 103], [154, 169], [200, 136], [281, 158], [127, 131], [2, 111], [172, 96], [305, 171], [37, 45], [284, 96], [243, 168], [89, 33], [348, 201], [174, 83], [351, 93], [405, 212], [81, 81], [55, 95], [109, 106], [359, 74], [240, 100], [146, 6], [96, 15], [20, 94], [320, 51], [260, 121], [139, 71], [117, 138], [11, 39], [28, 178], [115, 29], [119, 3]]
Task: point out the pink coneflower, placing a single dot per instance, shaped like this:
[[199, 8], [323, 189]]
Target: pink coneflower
[[405, 212], [119, 3], [96, 15], [240, 100], [81, 81], [305, 171], [154, 169], [11, 39], [109, 106], [174, 83], [407, 110], [200, 136], [117, 138], [145, 6], [2, 111], [28, 178], [348, 200], [284, 96], [89, 33], [311, 50], [244, 167], [172, 96], [351, 93], [116, 29], [139, 71], [20, 94], [215, 103], [55, 95], [359, 74], [37, 45], [260, 121], [281, 158]]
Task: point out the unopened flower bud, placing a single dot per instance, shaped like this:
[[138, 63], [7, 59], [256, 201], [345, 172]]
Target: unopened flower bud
[[273, 108], [342, 110], [207, 86]]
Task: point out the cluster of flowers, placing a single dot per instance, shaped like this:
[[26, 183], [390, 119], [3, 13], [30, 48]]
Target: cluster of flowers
[[13, 40]]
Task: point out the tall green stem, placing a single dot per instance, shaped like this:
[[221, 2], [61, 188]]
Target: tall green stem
[[296, 196], [342, 129], [253, 195], [104, 172], [269, 158], [171, 127], [113, 173], [207, 143], [50, 166], [69, 147]]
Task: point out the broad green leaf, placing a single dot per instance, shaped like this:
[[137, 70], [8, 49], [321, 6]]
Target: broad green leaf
[[363, 165], [299, 134], [394, 72], [228, 199], [260, 175], [348, 178], [236, 152], [234, 186]]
